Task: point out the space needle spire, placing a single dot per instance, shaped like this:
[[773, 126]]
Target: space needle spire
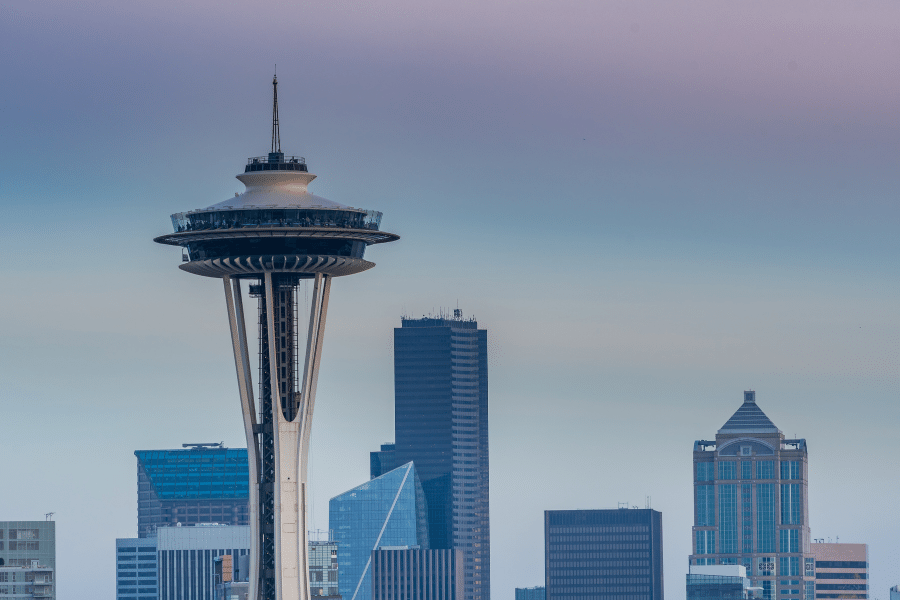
[[273, 238], [276, 129]]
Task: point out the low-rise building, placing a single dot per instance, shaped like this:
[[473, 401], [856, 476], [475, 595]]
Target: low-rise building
[[533, 593], [28, 559], [842, 571], [718, 582]]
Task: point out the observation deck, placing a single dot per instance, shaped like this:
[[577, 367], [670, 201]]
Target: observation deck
[[276, 225]]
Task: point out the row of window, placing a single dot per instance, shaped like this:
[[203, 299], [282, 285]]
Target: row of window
[[765, 469]]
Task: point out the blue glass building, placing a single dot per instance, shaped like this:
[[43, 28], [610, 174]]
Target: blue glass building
[[387, 511], [204, 483]]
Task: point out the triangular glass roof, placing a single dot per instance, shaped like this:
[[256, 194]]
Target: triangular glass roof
[[749, 418]]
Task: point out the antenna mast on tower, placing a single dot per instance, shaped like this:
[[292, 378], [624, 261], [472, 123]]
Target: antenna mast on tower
[[276, 130]]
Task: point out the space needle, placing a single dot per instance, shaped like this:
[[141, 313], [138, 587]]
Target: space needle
[[276, 237]]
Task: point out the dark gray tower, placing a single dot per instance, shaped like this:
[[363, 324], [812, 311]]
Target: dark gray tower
[[277, 236], [441, 423]]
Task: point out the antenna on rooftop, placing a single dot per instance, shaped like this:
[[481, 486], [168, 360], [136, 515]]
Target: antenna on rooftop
[[276, 130], [49, 516]]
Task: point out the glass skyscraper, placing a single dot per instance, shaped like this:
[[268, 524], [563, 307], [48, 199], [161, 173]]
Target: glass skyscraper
[[387, 511], [204, 483], [611, 554], [441, 424], [750, 504]]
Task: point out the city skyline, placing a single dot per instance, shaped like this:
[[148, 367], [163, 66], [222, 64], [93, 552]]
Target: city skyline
[[714, 186]]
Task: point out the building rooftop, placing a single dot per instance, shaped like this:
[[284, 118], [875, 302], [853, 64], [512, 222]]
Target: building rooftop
[[749, 418]]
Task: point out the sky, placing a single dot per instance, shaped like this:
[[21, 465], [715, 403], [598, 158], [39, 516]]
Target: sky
[[650, 207]]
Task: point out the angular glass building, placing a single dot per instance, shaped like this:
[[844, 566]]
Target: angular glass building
[[750, 504], [441, 424], [387, 511], [204, 483], [611, 554]]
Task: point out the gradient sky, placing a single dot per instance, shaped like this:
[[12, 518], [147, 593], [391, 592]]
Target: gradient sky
[[651, 207]]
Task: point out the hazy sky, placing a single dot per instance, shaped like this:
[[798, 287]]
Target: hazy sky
[[650, 206]]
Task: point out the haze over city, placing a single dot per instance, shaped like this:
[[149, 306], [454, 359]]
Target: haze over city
[[650, 209]]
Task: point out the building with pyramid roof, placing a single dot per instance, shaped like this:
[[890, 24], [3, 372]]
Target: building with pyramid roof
[[750, 504]]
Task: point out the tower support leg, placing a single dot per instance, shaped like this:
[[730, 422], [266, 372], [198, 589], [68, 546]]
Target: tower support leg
[[278, 443]]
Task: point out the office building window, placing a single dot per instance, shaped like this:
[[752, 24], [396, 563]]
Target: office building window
[[810, 567], [790, 469], [706, 505], [728, 518], [765, 469], [706, 542], [789, 540], [790, 504], [746, 469], [809, 590], [727, 469], [765, 517], [705, 471]]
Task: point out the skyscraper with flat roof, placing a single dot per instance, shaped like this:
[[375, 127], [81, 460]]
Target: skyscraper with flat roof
[[750, 504], [441, 424], [202, 483], [387, 511], [404, 573], [611, 554], [842, 571]]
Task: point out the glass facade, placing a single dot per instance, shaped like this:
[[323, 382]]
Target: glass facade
[[706, 505], [728, 470], [790, 540], [198, 485], [387, 511], [705, 471], [706, 541], [790, 504], [441, 424], [765, 469], [728, 528], [765, 517], [603, 554], [790, 469]]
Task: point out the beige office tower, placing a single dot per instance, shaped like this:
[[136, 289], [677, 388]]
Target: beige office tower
[[750, 504], [842, 571]]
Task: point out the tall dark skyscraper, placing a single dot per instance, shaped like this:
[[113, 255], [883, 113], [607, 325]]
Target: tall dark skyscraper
[[603, 554], [441, 421]]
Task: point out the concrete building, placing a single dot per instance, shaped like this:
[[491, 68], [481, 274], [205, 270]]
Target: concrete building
[[277, 237], [532, 593], [405, 573], [842, 571], [28, 559], [750, 504], [387, 511], [200, 483], [603, 554], [717, 582], [323, 569], [441, 424]]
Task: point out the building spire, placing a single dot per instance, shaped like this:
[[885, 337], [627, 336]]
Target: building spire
[[276, 132]]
